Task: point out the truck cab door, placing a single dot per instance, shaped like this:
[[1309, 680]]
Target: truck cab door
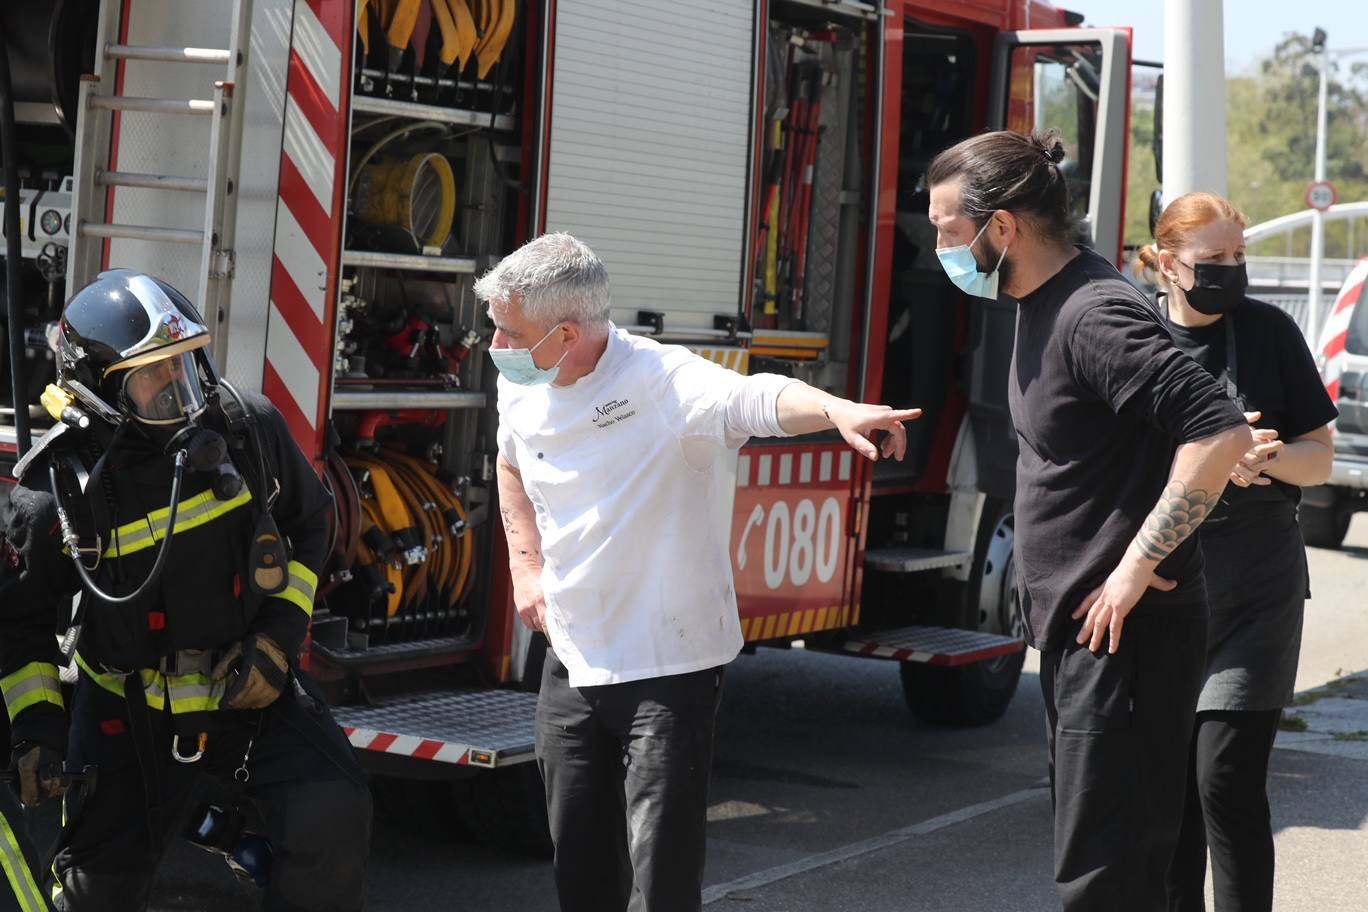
[[1078, 82]]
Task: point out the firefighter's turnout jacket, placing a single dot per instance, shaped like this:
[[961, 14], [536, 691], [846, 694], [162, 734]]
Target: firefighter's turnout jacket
[[202, 603]]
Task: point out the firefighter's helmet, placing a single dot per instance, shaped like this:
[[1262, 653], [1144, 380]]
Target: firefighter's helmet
[[129, 344]]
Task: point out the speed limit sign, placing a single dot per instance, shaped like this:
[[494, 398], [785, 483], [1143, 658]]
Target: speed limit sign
[[1321, 195]]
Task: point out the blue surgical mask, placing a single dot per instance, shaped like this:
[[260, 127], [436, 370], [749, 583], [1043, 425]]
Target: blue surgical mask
[[959, 264], [517, 366]]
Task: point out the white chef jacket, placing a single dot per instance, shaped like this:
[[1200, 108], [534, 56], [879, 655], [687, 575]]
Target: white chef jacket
[[631, 471]]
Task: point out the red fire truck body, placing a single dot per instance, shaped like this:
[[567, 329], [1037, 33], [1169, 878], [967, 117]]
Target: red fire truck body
[[750, 174]]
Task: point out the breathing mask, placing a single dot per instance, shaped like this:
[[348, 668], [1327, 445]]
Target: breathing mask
[[963, 269], [1216, 289], [517, 366]]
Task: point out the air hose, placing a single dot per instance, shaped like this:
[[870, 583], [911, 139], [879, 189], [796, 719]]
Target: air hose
[[72, 541]]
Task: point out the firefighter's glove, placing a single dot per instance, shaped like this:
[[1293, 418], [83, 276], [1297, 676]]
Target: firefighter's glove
[[39, 770], [261, 673]]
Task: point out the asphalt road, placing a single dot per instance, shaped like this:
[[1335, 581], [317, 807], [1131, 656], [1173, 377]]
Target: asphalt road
[[829, 795]]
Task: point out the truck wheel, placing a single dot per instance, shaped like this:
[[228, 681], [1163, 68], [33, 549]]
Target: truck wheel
[[505, 808], [421, 806], [979, 693], [1324, 527]]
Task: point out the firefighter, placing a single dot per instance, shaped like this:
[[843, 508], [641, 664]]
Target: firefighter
[[193, 529]]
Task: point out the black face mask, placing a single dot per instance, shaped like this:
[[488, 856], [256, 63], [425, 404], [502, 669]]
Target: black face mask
[[1216, 289]]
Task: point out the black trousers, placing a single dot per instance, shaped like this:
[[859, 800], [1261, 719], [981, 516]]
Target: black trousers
[[1227, 810], [626, 769], [1119, 728], [306, 794], [23, 871]]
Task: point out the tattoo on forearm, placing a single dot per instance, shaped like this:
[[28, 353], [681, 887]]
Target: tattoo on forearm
[[1177, 515], [508, 521]]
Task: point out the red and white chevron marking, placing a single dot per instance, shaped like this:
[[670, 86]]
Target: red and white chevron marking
[[761, 467], [418, 748], [309, 218], [1336, 333]]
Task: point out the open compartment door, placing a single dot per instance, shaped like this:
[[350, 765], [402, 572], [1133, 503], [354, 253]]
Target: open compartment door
[[651, 123], [1078, 82]]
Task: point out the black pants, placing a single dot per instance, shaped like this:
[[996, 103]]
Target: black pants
[[1227, 809], [626, 769], [1119, 727], [305, 791], [22, 869]]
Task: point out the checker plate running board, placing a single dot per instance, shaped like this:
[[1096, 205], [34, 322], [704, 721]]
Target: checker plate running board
[[946, 646], [481, 728]]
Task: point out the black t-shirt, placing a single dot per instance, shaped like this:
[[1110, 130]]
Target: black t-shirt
[[1276, 375], [1100, 398]]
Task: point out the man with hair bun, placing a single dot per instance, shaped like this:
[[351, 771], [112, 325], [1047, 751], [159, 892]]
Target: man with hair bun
[[614, 487], [1125, 443]]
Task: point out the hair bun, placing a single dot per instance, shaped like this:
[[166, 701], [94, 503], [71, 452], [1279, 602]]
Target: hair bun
[[1054, 153]]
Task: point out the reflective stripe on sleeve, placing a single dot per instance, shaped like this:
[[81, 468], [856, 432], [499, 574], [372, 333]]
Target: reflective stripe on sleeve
[[36, 682], [301, 588], [21, 881]]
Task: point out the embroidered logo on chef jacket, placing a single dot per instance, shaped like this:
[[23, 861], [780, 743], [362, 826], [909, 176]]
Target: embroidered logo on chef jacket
[[612, 412]]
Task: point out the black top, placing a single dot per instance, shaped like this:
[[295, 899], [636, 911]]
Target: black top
[[1100, 398], [1275, 374]]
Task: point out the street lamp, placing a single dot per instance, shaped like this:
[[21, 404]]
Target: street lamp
[[1313, 301]]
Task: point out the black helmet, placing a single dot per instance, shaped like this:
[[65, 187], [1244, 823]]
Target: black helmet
[[129, 344]]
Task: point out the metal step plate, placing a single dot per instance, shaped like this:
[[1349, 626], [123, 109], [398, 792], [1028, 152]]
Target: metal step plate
[[946, 646], [914, 560], [486, 728]]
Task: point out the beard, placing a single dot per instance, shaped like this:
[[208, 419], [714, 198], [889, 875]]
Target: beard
[[994, 257]]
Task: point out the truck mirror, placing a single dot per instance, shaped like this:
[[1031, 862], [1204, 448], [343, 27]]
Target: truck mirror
[[1158, 134], [1156, 210]]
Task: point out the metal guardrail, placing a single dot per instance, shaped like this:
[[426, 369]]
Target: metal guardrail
[[1295, 272]]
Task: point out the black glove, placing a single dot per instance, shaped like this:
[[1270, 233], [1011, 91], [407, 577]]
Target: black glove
[[261, 675], [40, 772]]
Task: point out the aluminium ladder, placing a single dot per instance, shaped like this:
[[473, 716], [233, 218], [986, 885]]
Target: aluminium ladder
[[97, 123]]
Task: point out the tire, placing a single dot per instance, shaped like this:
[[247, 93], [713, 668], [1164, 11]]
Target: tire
[[420, 806], [976, 694], [1324, 527], [505, 808]]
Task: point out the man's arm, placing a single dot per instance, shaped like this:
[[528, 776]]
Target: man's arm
[[1199, 473], [301, 512], [805, 409], [524, 545], [35, 601]]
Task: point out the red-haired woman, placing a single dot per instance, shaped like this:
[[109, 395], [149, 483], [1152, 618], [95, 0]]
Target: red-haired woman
[[1255, 559]]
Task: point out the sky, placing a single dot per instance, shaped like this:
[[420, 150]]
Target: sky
[[1252, 27]]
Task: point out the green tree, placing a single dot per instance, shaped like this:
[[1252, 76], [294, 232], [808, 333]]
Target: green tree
[[1270, 146]]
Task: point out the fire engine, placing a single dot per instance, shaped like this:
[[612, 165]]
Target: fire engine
[[325, 178]]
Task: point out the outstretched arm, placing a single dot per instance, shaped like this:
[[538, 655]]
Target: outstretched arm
[[805, 409]]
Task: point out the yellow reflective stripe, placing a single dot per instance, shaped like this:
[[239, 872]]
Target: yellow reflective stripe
[[109, 682], [194, 512], [301, 588], [22, 884], [194, 693], [189, 693], [36, 682]]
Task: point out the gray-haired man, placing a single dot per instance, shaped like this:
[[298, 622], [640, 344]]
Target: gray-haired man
[[613, 490]]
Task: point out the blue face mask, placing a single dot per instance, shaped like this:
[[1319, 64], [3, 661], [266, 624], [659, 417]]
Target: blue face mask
[[517, 366], [959, 264]]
